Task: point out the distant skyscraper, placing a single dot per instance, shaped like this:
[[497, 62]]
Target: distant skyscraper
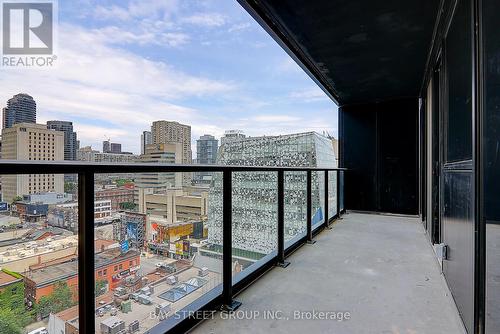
[[21, 108], [116, 148], [173, 132], [70, 141], [146, 139], [206, 149], [206, 154], [109, 147], [106, 146], [167, 153], [231, 135]]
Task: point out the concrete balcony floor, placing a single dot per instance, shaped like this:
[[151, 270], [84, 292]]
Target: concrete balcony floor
[[380, 269]]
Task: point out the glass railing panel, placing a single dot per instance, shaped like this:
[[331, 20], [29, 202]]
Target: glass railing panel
[[38, 251], [318, 198], [341, 191], [157, 250], [255, 219], [295, 206], [332, 194]]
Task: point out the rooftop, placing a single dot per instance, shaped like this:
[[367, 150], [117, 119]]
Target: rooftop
[[53, 273], [113, 255], [6, 279], [103, 244], [59, 271]]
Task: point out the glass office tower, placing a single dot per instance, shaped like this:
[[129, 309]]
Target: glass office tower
[[255, 193]]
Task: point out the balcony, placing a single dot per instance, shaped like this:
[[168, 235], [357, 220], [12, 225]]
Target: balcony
[[372, 273], [416, 84], [381, 269]]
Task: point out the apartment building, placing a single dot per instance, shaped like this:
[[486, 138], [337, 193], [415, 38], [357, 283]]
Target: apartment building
[[30, 141]]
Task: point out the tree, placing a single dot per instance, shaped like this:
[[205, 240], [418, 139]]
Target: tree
[[60, 299], [127, 205], [100, 287], [122, 182], [9, 322], [70, 187], [12, 299], [16, 199]]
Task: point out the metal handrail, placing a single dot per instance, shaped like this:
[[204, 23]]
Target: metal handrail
[[75, 167]]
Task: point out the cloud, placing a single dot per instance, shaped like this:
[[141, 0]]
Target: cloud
[[276, 118], [109, 90], [116, 35], [145, 22], [310, 95], [288, 65], [293, 125], [137, 9], [239, 27], [108, 87], [205, 20], [111, 13]]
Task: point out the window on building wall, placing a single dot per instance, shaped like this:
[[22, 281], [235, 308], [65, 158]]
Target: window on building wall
[[459, 73]]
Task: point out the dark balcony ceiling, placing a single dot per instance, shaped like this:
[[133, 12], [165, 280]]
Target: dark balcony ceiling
[[359, 51]]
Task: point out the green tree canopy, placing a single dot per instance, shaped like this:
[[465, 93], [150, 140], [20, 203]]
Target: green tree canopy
[[12, 300], [60, 299], [9, 322], [100, 287], [16, 199], [127, 205], [70, 187]]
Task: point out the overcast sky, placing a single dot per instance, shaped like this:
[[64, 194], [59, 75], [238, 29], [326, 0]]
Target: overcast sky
[[207, 63]]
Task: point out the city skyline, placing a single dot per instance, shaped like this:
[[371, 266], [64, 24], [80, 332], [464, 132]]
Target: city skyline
[[208, 65], [58, 125]]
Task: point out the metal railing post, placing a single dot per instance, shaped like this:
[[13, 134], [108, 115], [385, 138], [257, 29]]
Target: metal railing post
[[86, 267], [338, 194], [281, 220], [341, 191], [229, 304], [309, 208], [327, 215]]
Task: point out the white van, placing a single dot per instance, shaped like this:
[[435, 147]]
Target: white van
[[41, 330]]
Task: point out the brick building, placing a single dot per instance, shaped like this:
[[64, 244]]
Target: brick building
[[110, 265], [117, 196]]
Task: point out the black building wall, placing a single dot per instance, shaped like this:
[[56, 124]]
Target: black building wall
[[379, 146]]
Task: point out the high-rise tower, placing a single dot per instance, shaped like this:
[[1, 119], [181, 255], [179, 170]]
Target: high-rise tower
[[21, 108]]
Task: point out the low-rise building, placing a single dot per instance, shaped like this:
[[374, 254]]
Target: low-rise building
[[42, 282], [100, 245], [49, 198], [111, 266], [30, 212], [117, 196], [65, 215], [8, 279], [35, 248], [175, 205], [131, 227], [88, 154]]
